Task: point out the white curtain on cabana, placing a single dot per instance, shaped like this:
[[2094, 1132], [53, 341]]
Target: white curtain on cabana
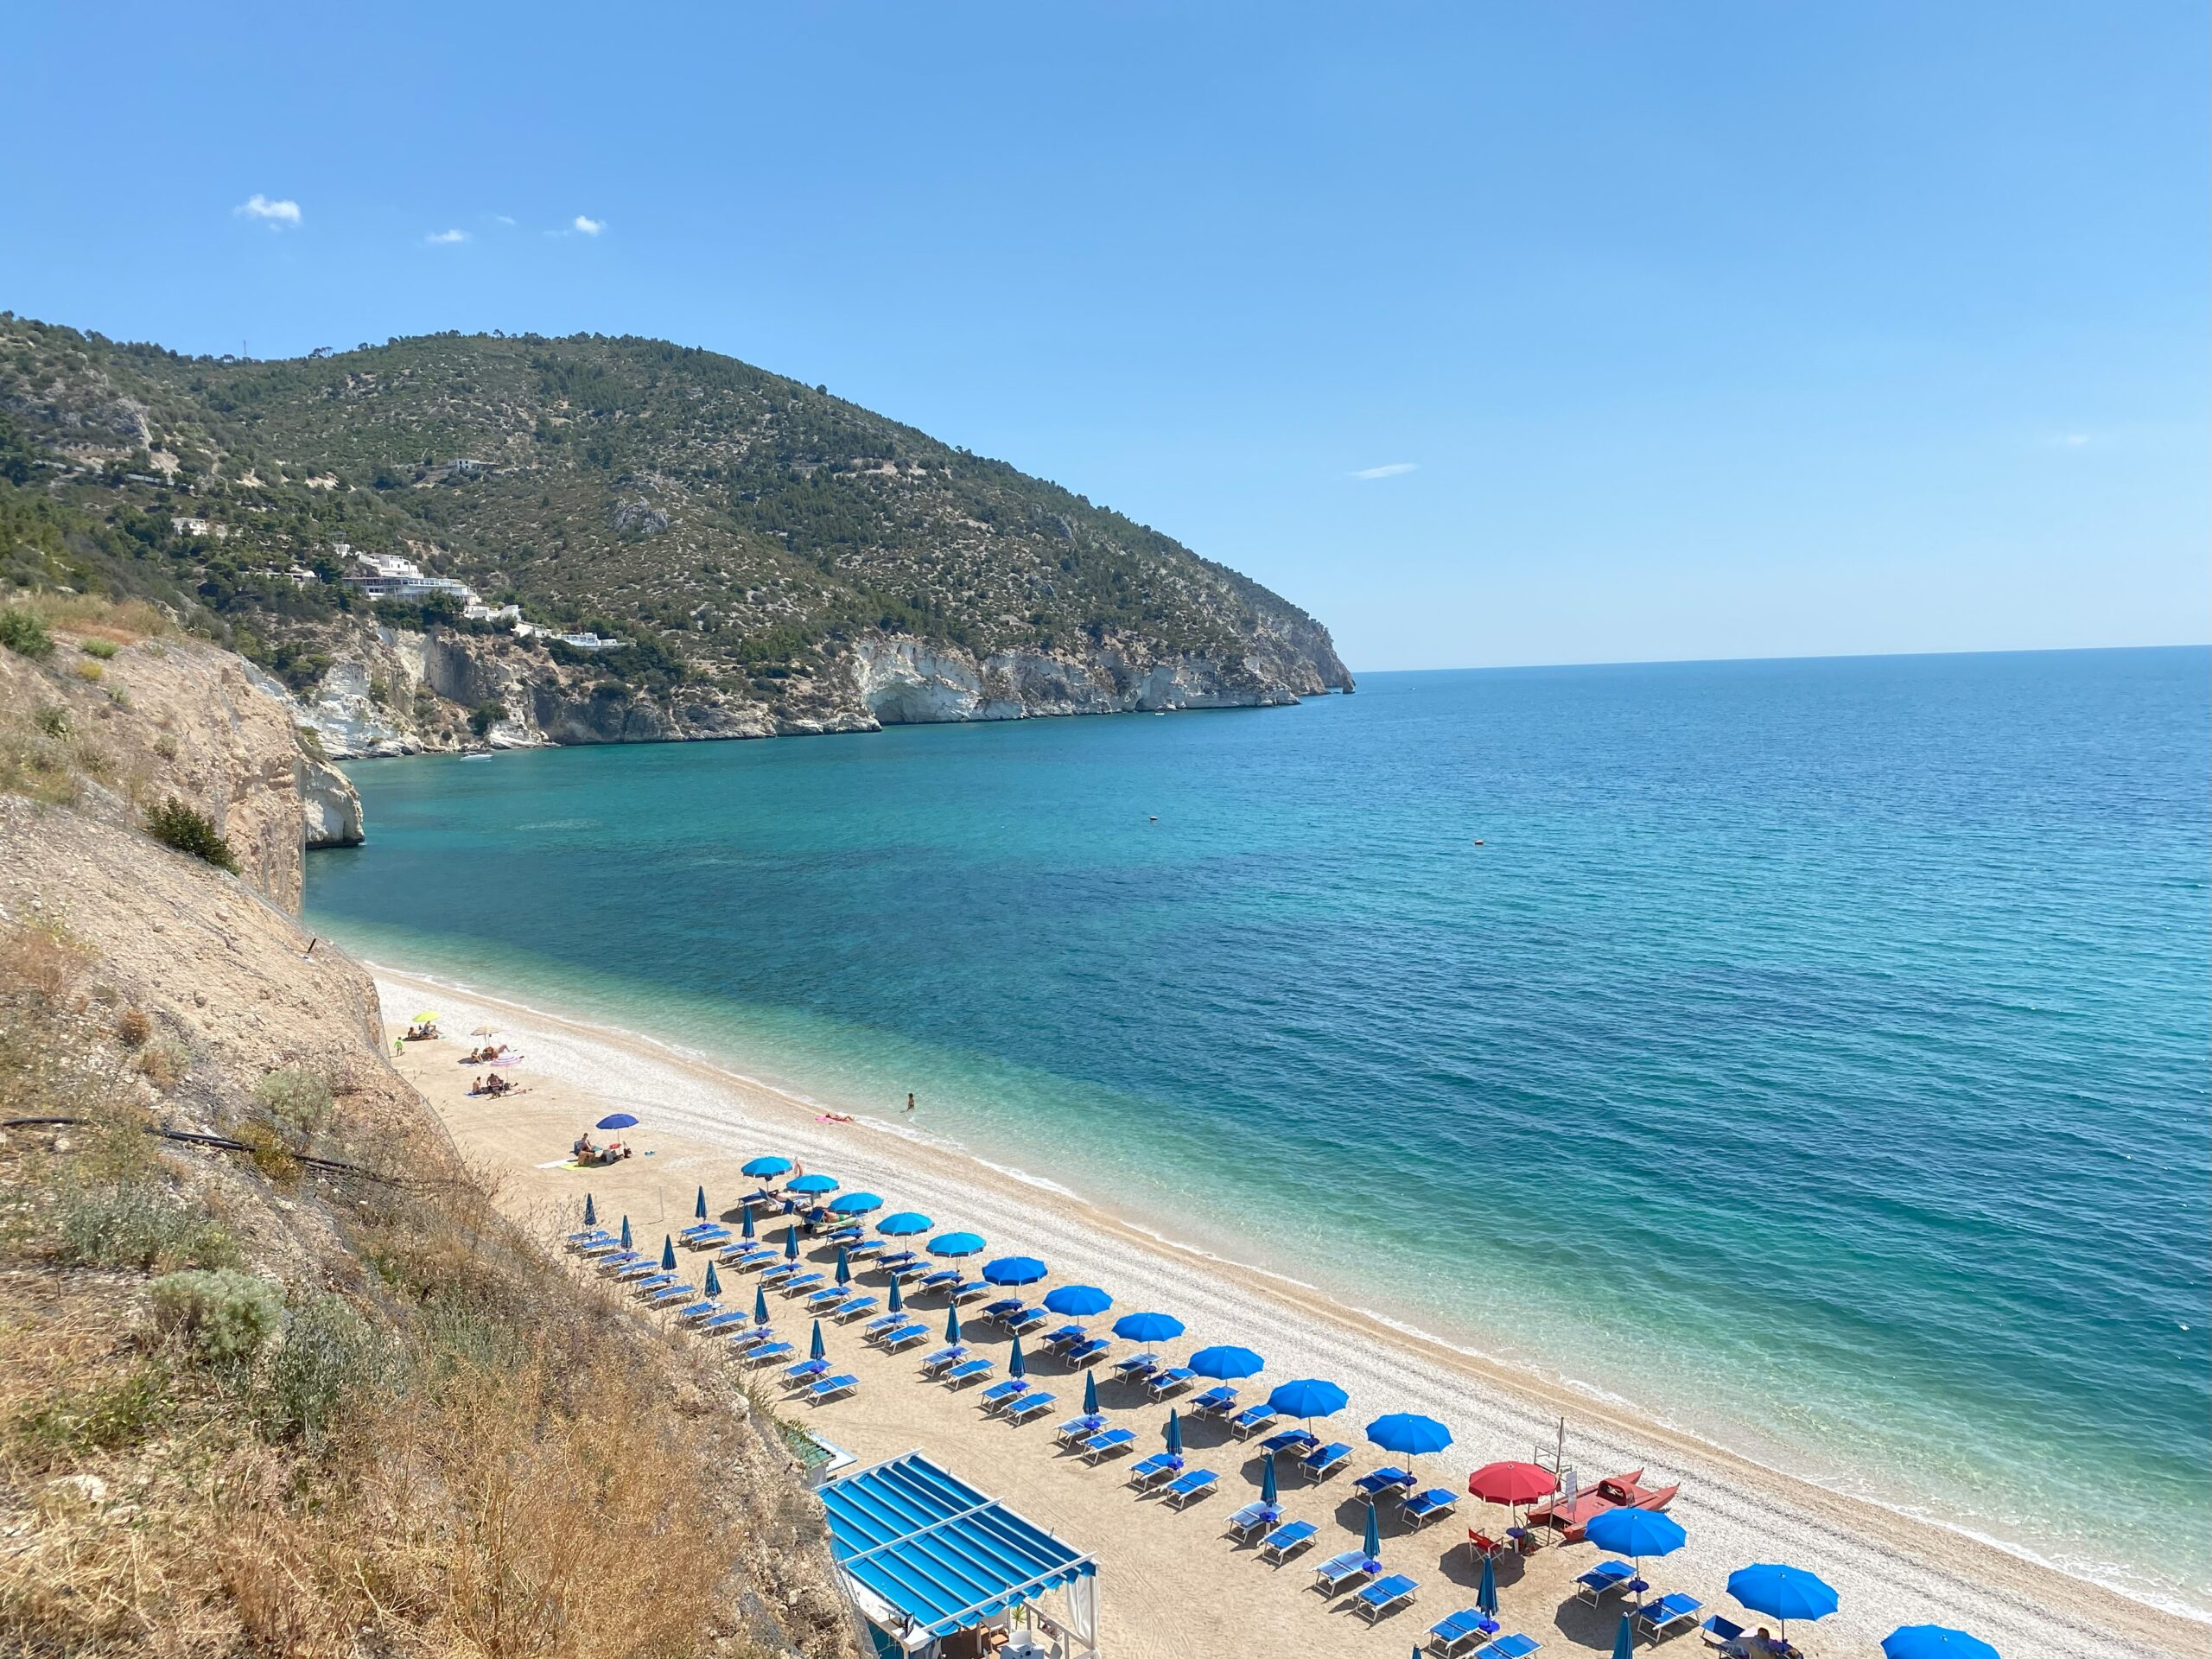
[[1083, 1610]]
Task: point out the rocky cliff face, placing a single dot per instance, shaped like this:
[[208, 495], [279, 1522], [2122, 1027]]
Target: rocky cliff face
[[330, 811]]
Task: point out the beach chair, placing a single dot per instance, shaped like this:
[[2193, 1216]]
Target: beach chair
[[944, 1359], [968, 1290], [854, 1307], [744, 1258], [848, 1237], [599, 1249], [913, 1267], [1325, 1461], [1109, 1443], [1721, 1632], [940, 1279], [611, 1265], [1432, 1505], [1253, 1419], [1461, 1630], [1296, 1441], [704, 1239], [698, 1312], [716, 1324], [766, 1353], [865, 1250], [1252, 1520], [1216, 1401], [998, 1311], [648, 1268], [1661, 1619], [1028, 1319], [832, 1388], [1384, 1596], [1033, 1403], [588, 1237], [891, 1259], [905, 1336], [1085, 1353], [967, 1371], [799, 1283], [674, 1296], [1148, 1472], [1174, 1380], [1188, 1488], [1602, 1580], [1066, 1336], [1509, 1647], [648, 1284], [804, 1373], [1003, 1394], [1287, 1540], [1076, 1430], [876, 1327], [826, 1301], [751, 1336], [1353, 1567], [1385, 1483], [1136, 1367], [776, 1275]]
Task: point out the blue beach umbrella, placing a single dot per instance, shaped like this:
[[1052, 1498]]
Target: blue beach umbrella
[[746, 1224], [1372, 1542], [766, 1169], [699, 1207], [1090, 1395], [1148, 1327], [1013, 1270], [790, 1242], [1624, 1640], [1486, 1591], [1173, 1434], [1015, 1364], [814, 1348], [897, 1303], [1309, 1398], [812, 1183], [905, 1224], [616, 1121], [625, 1232], [760, 1305], [591, 1212], [1077, 1302], [952, 1323], [844, 1267], [714, 1280], [1267, 1481], [855, 1204], [1409, 1435], [1782, 1592], [667, 1254], [1224, 1364], [1635, 1533], [1934, 1642], [956, 1244]]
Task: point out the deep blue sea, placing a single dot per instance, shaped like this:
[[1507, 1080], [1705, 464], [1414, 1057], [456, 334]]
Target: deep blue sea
[[1814, 1054]]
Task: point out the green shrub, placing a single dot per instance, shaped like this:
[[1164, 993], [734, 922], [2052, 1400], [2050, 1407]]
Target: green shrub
[[485, 716], [177, 825], [53, 720], [24, 634], [298, 1100], [140, 1224], [330, 1357], [224, 1315], [106, 1417], [103, 649]]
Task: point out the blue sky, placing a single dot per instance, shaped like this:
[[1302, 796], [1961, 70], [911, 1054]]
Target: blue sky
[[1492, 334]]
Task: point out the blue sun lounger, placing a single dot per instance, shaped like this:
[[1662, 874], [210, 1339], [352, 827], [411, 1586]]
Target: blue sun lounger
[[1453, 1636], [1136, 1367], [1215, 1403], [673, 1296], [1085, 1353], [636, 1272], [745, 1258], [1432, 1505], [718, 1323], [888, 1322], [1188, 1488], [940, 1279], [804, 1373], [599, 1249], [1001, 1309], [944, 1359], [826, 1301], [1066, 1336], [751, 1336], [967, 1371], [643, 1283], [1384, 1596], [1510, 1647], [863, 1250], [1606, 1578], [1253, 1419], [703, 1238], [1028, 1319], [968, 1290], [1287, 1540], [777, 1274], [1325, 1461], [1160, 1384], [698, 1312], [1656, 1618], [1031, 1404], [1004, 1394], [1076, 1430], [905, 1336], [800, 1282], [854, 1307], [766, 1353], [1720, 1632], [1353, 1567], [1148, 1472], [1296, 1441], [1385, 1483], [1252, 1519], [1107, 1444], [831, 1387], [588, 1237], [611, 1265]]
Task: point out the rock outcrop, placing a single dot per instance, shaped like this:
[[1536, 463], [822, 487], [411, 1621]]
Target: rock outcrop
[[330, 808]]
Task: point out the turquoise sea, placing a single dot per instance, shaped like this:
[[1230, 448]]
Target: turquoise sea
[[1812, 1053]]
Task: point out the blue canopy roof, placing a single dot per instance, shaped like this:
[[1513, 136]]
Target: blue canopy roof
[[938, 1550]]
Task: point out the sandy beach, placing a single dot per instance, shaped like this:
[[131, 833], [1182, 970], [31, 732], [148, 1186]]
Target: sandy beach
[[1172, 1582]]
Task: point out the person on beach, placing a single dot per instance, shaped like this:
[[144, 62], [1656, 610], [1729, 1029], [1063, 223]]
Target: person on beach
[[910, 1100]]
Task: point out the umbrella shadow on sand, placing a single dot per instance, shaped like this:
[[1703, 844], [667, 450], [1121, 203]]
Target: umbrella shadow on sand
[[1589, 1627], [1465, 1567]]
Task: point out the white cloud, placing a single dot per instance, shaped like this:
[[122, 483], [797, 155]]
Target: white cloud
[[446, 239], [1394, 469], [585, 226], [502, 218], [278, 215], [2076, 441]]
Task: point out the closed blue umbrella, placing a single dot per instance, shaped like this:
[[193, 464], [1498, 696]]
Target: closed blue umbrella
[[1078, 1301], [760, 1305], [1267, 1481], [1409, 1435], [1015, 1364], [1173, 1434], [1372, 1542], [844, 1267], [1091, 1394], [952, 1323], [855, 1204], [748, 1222], [814, 1348], [1486, 1591], [1013, 1270], [1148, 1327], [1309, 1398], [1782, 1592], [714, 1280], [625, 1232], [667, 1254], [766, 1169], [956, 1244], [1624, 1640], [905, 1224], [790, 1242], [1226, 1364], [897, 1303], [616, 1121], [699, 1206], [591, 1212], [812, 1183], [1934, 1642]]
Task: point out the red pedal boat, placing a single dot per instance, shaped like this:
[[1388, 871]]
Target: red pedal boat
[[1569, 1516]]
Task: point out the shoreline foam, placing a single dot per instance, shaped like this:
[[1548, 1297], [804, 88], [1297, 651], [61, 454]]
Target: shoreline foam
[[1946, 1572]]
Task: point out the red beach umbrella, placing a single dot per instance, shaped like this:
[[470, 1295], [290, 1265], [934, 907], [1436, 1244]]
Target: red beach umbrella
[[1512, 1483]]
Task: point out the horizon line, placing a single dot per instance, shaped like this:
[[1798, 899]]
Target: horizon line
[[1805, 656]]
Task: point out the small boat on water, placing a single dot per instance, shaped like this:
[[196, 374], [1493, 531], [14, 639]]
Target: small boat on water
[[1569, 1516]]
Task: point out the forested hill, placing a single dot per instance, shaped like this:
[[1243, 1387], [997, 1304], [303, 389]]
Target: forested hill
[[763, 549]]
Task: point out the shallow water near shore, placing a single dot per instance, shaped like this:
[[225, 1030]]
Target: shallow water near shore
[[1812, 1054]]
